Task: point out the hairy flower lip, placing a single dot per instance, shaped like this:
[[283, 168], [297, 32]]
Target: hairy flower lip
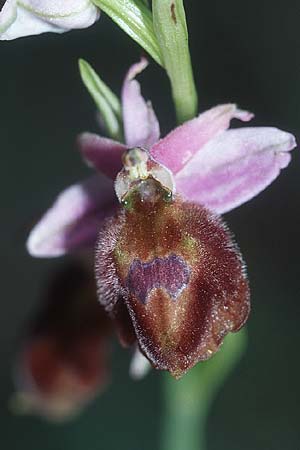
[[173, 331]]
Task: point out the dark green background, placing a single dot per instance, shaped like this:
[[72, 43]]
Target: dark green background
[[246, 52]]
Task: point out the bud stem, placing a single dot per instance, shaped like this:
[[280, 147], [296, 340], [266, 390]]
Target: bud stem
[[172, 35]]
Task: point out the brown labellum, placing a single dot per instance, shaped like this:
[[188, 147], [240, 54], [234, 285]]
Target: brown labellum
[[180, 274]]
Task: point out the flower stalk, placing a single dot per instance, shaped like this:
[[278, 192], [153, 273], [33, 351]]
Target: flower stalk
[[188, 401], [171, 31]]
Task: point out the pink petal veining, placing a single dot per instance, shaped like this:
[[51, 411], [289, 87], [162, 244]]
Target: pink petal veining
[[74, 219], [234, 167], [179, 146]]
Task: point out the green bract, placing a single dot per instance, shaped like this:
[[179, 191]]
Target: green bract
[[106, 101]]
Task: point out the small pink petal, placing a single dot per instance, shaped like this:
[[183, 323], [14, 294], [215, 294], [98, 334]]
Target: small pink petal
[[141, 126], [74, 219], [101, 153], [179, 146], [235, 166]]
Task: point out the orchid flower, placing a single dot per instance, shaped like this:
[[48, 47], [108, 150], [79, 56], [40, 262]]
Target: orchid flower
[[30, 17], [205, 169]]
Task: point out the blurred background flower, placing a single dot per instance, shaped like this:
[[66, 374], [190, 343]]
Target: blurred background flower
[[239, 56], [63, 362]]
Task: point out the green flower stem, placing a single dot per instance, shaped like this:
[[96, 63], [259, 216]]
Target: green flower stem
[[134, 17], [188, 401], [172, 35]]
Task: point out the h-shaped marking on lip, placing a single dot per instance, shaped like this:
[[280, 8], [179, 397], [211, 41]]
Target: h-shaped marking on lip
[[170, 273]]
